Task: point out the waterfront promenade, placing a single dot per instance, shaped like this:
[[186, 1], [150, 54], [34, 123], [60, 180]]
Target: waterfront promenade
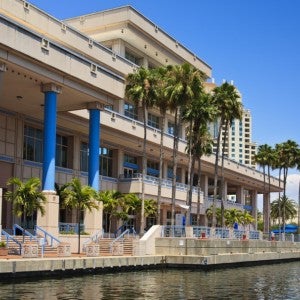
[[169, 253]]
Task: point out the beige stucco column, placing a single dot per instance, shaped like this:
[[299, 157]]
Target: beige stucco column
[[266, 212], [165, 170], [182, 174], [253, 197], [93, 219], [118, 47], [49, 221], [240, 197], [118, 168]]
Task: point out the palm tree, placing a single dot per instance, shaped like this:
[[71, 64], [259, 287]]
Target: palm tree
[[232, 216], [246, 218], [111, 203], [183, 85], [134, 204], [198, 113], [26, 197], [213, 212], [286, 205], [265, 157], [140, 90], [162, 102], [230, 107], [288, 154], [79, 197], [204, 146]]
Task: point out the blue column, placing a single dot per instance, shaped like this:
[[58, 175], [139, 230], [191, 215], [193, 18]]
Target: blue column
[[94, 144], [49, 142]]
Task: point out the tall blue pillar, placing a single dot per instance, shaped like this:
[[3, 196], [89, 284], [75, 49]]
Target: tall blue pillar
[[49, 142], [94, 145]]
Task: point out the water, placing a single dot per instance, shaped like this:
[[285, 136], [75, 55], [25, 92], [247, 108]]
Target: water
[[280, 281]]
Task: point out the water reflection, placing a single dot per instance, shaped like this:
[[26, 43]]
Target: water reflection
[[281, 281]]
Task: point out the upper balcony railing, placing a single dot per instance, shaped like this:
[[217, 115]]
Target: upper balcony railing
[[155, 181]]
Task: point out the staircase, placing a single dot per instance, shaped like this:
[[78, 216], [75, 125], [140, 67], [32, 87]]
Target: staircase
[[14, 248], [122, 247]]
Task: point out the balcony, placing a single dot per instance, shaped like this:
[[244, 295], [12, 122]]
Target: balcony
[[133, 184]]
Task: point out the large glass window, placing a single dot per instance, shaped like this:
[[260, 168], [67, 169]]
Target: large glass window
[[170, 128], [130, 111], [61, 151], [153, 120], [84, 150], [33, 144], [105, 162], [152, 168]]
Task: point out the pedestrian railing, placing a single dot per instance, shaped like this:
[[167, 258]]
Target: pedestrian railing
[[209, 232]]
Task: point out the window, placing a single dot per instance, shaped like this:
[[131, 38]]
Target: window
[[170, 128], [61, 151], [130, 111], [152, 168], [84, 150], [153, 120], [133, 58], [33, 144], [105, 162], [130, 159]]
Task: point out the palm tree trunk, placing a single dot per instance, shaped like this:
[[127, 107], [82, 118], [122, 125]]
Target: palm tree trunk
[[142, 221], [222, 176], [199, 192], [161, 157], [216, 175], [175, 147], [279, 208], [78, 218], [189, 179]]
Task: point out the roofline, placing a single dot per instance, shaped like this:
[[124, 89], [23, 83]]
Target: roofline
[[147, 20]]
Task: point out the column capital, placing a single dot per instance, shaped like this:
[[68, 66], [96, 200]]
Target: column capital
[[95, 105], [3, 67], [51, 87]]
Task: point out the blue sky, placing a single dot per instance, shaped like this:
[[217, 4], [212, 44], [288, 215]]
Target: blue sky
[[255, 43]]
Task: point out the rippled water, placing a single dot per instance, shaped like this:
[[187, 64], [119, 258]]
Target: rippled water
[[280, 281]]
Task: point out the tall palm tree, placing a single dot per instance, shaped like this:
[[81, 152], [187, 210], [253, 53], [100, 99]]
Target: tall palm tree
[[283, 204], [140, 90], [197, 114], [204, 146], [79, 197], [183, 85], [266, 158], [26, 197], [288, 153], [162, 101], [230, 107]]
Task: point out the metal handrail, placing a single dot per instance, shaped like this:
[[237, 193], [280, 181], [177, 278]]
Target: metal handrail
[[46, 235], [121, 236], [209, 232], [24, 232], [9, 237], [94, 238]]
